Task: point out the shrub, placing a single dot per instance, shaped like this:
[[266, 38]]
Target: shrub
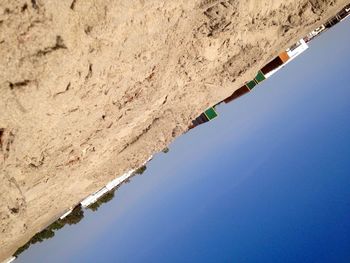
[[73, 218], [104, 199], [165, 150], [141, 170]]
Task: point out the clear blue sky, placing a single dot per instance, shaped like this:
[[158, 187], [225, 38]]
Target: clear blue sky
[[267, 181]]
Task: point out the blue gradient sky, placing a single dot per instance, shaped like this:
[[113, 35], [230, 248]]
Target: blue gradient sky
[[267, 181]]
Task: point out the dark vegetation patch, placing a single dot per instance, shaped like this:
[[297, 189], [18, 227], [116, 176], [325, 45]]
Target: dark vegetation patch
[[73, 218], [141, 170], [104, 199], [165, 150]]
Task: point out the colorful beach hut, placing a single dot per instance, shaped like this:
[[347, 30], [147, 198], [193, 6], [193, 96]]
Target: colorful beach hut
[[206, 116]]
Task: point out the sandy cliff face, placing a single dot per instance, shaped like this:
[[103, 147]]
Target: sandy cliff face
[[91, 88]]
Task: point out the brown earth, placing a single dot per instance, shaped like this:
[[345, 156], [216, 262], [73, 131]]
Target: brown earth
[[89, 89]]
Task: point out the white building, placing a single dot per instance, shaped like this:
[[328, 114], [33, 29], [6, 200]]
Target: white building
[[297, 49], [292, 52], [9, 260], [66, 213], [112, 184]]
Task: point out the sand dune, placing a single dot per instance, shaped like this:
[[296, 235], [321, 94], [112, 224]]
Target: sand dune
[[90, 89]]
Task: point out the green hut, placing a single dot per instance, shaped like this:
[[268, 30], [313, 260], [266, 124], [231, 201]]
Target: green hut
[[211, 113]]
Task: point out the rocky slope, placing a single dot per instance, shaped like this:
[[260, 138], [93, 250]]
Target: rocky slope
[[89, 89]]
